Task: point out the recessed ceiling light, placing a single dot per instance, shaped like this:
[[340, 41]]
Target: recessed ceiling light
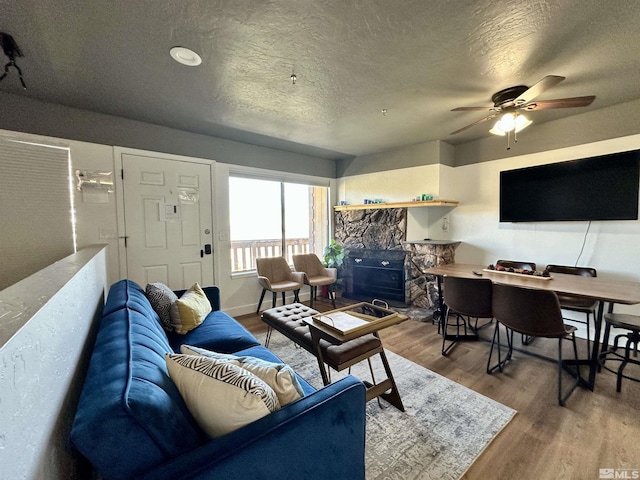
[[185, 56]]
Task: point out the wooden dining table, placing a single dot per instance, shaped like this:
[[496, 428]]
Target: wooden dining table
[[596, 288]]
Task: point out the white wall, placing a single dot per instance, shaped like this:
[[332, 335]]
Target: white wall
[[613, 248], [23, 114], [46, 334], [402, 185], [96, 222]]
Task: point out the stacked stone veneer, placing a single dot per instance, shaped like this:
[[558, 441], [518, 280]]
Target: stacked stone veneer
[[424, 289], [386, 229], [379, 229]]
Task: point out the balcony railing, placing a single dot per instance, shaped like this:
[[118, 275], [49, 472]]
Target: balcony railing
[[245, 252]]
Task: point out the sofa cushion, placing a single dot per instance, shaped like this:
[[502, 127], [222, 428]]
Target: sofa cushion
[[264, 353], [218, 332], [189, 310], [221, 396], [279, 376], [161, 297], [128, 393], [120, 297]]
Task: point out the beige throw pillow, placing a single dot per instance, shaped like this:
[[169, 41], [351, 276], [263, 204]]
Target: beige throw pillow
[[190, 310], [222, 397], [279, 376]]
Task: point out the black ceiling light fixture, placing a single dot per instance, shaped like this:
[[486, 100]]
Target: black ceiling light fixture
[[11, 50]]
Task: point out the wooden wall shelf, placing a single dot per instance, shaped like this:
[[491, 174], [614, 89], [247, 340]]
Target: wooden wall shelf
[[373, 206]]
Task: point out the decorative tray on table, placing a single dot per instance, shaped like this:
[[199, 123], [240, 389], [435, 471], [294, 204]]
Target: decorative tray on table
[[518, 272], [355, 317]]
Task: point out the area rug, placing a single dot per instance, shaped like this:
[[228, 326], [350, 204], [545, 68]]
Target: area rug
[[445, 427]]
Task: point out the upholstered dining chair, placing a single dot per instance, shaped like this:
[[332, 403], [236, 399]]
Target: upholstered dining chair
[[315, 274], [275, 275], [465, 298], [526, 340], [535, 313], [575, 303]]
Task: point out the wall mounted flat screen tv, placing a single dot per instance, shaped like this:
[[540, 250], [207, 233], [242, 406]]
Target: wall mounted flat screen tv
[[595, 188]]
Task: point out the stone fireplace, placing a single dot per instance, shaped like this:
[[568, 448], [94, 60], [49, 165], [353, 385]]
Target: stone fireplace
[[424, 255], [380, 262]]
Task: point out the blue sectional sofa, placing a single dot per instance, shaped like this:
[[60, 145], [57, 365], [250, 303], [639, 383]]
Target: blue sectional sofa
[[132, 422]]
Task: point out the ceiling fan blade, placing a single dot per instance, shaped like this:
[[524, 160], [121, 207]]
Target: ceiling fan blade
[[532, 92], [475, 123], [472, 109], [560, 103]]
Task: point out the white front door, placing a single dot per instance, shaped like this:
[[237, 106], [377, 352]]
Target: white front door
[[168, 221]]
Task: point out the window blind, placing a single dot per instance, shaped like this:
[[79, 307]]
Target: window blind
[[284, 177], [35, 209]]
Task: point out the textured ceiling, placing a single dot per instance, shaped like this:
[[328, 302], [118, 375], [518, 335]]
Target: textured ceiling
[[417, 59]]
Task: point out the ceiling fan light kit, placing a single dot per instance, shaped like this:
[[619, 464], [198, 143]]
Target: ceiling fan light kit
[[508, 102], [510, 123]]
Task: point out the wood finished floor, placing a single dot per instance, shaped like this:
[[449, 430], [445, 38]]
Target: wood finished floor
[[599, 429]]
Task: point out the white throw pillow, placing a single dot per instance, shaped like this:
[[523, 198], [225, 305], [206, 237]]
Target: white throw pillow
[[222, 397], [280, 377]]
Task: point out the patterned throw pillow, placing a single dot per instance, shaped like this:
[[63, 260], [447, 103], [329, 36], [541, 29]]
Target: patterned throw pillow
[[222, 397], [190, 310], [161, 298], [279, 376]]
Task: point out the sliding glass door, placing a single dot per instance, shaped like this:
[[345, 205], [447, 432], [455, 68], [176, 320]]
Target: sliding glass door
[[272, 218]]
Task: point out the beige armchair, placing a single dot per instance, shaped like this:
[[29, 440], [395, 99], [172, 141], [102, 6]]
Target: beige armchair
[[275, 275], [315, 274]]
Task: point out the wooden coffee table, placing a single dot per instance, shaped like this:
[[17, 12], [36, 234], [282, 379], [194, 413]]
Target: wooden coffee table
[[374, 318]]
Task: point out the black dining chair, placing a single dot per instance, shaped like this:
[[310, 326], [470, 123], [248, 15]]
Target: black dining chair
[[575, 303], [534, 313], [465, 298], [631, 325], [520, 265]]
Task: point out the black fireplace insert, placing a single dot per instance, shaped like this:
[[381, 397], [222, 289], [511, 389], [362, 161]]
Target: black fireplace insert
[[378, 274]]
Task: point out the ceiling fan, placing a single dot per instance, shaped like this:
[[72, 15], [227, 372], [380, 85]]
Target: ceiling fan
[[508, 104]]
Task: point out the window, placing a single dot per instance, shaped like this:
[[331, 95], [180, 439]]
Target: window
[[270, 218]]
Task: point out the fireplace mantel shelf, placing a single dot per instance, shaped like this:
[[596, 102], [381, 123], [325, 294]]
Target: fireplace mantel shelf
[[432, 242], [426, 203]]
